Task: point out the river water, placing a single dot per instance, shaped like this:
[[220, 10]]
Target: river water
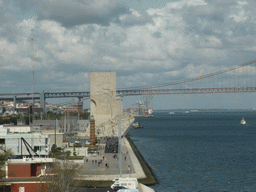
[[199, 151]]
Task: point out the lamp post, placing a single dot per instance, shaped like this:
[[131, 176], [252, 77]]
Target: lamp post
[[120, 137], [92, 132]]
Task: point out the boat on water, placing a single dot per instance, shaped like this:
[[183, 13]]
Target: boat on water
[[171, 113], [243, 122], [151, 112], [137, 125]]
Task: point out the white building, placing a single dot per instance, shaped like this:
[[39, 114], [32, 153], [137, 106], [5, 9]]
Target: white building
[[17, 128], [21, 142]]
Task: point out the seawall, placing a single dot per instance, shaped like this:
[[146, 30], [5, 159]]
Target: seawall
[[150, 178]]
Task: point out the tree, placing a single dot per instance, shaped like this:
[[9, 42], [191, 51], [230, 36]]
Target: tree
[[4, 109], [63, 178], [30, 109], [5, 155]]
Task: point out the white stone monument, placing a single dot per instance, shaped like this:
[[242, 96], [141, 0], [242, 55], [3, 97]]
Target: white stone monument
[[104, 101]]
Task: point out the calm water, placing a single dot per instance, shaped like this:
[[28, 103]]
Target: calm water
[[200, 151]]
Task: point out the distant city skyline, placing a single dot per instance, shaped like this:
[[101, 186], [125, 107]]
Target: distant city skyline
[[144, 42]]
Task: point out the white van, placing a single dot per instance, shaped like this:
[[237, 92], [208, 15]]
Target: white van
[[128, 183]]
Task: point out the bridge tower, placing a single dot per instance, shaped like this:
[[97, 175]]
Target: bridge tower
[[42, 101], [14, 102]]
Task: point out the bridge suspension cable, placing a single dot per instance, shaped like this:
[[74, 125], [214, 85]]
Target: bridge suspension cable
[[192, 79]]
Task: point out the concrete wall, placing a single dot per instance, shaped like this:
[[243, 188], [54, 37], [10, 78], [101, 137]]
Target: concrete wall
[[17, 128], [45, 124], [83, 125], [59, 139], [145, 188], [75, 124], [29, 187], [104, 102]]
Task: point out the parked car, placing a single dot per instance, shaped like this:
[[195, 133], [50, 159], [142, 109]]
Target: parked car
[[116, 188]]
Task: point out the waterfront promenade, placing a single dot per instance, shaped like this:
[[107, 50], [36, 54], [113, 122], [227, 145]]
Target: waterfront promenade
[[105, 166]]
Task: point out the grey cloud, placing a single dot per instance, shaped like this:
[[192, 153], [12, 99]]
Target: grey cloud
[[157, 35], [131, 20], [8, 21], [204, 19], [78, 12], [214, 19], [215, 16]]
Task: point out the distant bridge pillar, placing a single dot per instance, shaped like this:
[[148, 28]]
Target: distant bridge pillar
[[42, 101], [80, 105], [14, 102]]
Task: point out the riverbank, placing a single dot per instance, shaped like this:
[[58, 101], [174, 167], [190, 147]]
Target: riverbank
[[150, 177]]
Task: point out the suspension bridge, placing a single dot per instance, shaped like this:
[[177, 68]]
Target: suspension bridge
[[237, 79]]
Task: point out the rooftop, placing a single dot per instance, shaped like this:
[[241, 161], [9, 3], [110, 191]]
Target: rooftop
[[31, 160]]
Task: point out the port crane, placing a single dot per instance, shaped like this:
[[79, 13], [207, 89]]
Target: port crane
[[143, 105]]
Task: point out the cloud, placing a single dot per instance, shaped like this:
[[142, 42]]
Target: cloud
[[135, 18], [8, 21], [77, 12], [175, 42]]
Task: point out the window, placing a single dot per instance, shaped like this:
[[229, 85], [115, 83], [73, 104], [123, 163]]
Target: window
[[42, 148], [36, 148], [49, 165]]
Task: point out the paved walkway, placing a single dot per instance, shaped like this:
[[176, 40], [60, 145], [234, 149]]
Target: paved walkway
[[92, 170]]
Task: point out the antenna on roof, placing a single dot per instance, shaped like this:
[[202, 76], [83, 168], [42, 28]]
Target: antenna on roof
[[32, 60]]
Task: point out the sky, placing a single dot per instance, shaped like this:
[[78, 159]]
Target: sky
[[145, 42]]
